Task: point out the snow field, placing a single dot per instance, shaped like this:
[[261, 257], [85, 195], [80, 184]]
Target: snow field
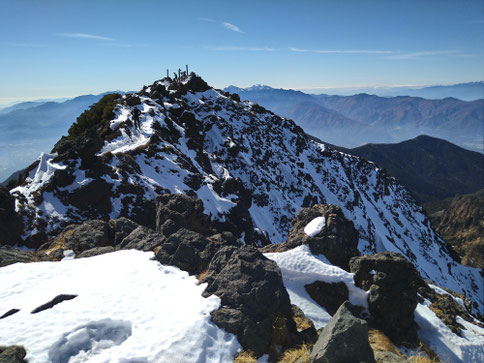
[[128, 308]]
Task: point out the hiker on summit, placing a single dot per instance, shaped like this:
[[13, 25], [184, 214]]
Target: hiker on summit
[[136, 114]]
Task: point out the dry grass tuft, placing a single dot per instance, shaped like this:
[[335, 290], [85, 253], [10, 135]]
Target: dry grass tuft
[[202, 275], [245, 356], [300, 353], [60, 242], [422, 359], [302, 324], [380, 342]]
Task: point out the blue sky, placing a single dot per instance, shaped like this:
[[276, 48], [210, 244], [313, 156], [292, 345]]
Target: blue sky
[[66, 48]]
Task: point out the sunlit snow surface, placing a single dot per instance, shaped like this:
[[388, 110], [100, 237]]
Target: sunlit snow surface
[[128, 309], [300, 267], [450, 347], [315, 226]]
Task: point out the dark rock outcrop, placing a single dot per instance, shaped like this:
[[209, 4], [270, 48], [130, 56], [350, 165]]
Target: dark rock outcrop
[[176, 211], [82, 237], [337, 240], [329, 296], [12, 354], [143, 239], [96, 251], [392, 282], [10, 223], [191, 251], [10, 255], [121, 228], [344, 339], [255, 303]]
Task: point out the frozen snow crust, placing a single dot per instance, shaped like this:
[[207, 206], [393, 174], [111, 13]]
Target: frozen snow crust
[[128, 308], [252, 169]]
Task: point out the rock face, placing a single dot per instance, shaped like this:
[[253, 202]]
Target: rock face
[[176, 211], [462, 225], [393, 283], [343, 340], [329, 296], [337, 240], [187, 250], [142, 238], [10, 255], [255, 303], [12, 354], [83, 237], [10, 223]]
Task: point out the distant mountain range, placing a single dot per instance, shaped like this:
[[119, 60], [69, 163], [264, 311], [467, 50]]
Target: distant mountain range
[[352, 121], [470, 91], [28, 128], [430, 168]]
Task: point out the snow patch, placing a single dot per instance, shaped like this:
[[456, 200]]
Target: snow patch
[[314, 227]]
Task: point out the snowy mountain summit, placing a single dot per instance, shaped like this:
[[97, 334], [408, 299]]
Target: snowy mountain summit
[[252, 169]]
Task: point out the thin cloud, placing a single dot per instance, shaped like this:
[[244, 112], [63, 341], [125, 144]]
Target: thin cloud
[[340, 51], [232, 27], [242, 49], [208, 20], [417, 55], [86, 36]]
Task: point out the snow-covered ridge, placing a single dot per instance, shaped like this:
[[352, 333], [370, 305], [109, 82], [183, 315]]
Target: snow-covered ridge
[[207, 142]]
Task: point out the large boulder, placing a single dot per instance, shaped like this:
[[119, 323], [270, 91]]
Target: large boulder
[[143, 239], [336, 237], [10, 223], [82, 237], [12, 354], [191, 251], [344, 339], [121, 228], [255, 304], [392, 284], [176, 211], [328, 295], [10, 255]]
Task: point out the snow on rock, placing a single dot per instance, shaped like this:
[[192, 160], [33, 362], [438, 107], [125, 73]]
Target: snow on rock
[[313, 228], [300, 267], [450, 347], [128, 308]]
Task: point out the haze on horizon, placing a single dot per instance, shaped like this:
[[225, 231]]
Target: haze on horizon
[[56, 48]]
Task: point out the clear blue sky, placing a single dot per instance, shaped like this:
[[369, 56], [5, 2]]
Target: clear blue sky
[[65, 48]]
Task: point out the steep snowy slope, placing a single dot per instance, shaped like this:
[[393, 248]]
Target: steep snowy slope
[[252, 169]]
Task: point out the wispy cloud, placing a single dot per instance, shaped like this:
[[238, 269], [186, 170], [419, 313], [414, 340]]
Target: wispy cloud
[[232, 27], [241, 49], [224, 24], [340, 51], [86, 36], [422, 54]]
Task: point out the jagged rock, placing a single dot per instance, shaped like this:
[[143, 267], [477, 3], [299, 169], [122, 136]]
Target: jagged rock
[[12, 354], [175, 211], [50, 304], [10, 255], [93, 197], [10, 223], [388, 357], [343, 340], [255, 303], [121, 228], [337, 240], [96, 251], [190, 251], [329, 296], [392, 282], [142, 238], [133, 100], [83, 237]]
